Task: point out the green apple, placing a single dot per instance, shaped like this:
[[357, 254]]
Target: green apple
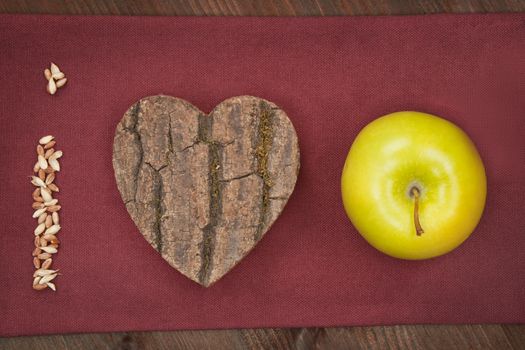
[[413, 185]]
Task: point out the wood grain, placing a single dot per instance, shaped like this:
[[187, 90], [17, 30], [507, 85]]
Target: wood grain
[[381, 337]]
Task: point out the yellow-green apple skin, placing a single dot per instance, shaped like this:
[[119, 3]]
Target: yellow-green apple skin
[[405, 150]]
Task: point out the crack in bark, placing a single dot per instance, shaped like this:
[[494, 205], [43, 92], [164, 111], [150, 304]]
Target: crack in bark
[[134, 116], [208, 232], [264, 143], [158, 196], [237, 177]]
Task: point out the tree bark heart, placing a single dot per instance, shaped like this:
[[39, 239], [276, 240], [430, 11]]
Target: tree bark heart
[[204, 189]]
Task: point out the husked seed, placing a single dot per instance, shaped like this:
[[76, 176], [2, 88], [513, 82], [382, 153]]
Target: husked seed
[[53, 208], [50, 178], [45, 139], [51, 202], [44, 256], [46, 194], [36, 262], [38, 181], [42, 162], [40, 228], [36, 252], [50, 237], [49, 144], [49, 152], [49, 221], [39, 212], [40, 286], [53, 187], [38, 205], [54, 164], [50, 250], [52, 230], [47, 263], [42, 218]]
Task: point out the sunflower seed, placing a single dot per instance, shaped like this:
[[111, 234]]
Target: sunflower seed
[[36, 262], [47, 73], [51, 87], [45, 139], [36, 251], [49, 170], [53, 208], [42, 218], [50, 237], [49, 144], [50, 178], [39, 212], [44, 256], [37, 205], [61, 82], [59, 76], [52, 230], [49, 152], [40, 228], [47, 263], [40, 286], [48, 278], [41, 174], [50, 250], [36, 194], [36, 280], [38, 182], [49, 221], [46, 195], [54, 68], [54, 164], [37, 241], [43, 242], [40, 150], [53, 187], [56, 155], [36, 168], [44, 272], [42, 162], [51, 202], [52, 286], [55, 218]]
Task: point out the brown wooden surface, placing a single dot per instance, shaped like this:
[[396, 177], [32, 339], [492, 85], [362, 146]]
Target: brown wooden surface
[[387, 337]]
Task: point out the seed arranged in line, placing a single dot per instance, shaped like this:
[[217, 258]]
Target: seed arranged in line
[[55, 79], [46, 207]]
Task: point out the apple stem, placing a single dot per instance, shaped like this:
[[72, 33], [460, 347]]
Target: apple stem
[[419, 229]]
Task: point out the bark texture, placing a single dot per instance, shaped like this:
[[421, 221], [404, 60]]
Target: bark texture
[[204, 189]]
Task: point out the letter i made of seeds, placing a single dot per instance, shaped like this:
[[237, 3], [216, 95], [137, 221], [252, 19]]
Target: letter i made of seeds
[[46, 213]]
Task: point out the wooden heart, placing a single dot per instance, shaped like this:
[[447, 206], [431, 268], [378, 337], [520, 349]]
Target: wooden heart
[[204, 189]]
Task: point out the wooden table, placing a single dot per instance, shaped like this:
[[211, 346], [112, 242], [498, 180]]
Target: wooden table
[[385, 337]]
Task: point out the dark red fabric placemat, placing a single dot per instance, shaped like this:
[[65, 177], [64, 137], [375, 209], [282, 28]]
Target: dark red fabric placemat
[[332, 76]]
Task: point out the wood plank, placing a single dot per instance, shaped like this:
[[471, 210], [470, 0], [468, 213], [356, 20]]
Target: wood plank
[[259, 8]]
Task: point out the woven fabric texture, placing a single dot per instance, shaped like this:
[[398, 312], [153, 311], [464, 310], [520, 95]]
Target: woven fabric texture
[[332, 76]]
